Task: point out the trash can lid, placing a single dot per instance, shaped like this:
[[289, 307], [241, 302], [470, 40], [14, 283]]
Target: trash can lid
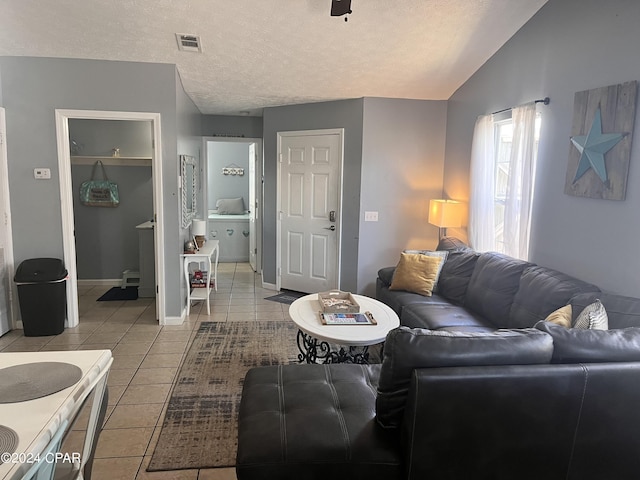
[[37, 270]]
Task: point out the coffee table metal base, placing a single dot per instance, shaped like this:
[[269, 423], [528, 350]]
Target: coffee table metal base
[[313, 350]]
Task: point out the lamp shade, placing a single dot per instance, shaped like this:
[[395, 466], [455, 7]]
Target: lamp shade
[[445, 213], [199, 227]]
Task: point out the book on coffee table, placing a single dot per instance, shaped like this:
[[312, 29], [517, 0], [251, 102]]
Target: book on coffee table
[[348, 319]]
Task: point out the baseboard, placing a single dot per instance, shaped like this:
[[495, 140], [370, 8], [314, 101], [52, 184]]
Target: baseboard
[[174, 320], [269, 286], [109, 282]]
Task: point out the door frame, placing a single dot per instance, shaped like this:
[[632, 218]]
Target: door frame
[[8, 250], [259, 191], [301, 133], [66, 200]]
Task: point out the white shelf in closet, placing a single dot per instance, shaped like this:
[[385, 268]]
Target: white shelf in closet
[[114, 161]]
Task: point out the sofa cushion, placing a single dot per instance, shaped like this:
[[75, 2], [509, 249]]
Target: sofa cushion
[[416, 273], [593, 317], [575, 345], [456, 273], [406, 349], [438, 315], [622, 311], [296, 419], [451, 244], [493, 286], [541, 291], [398, 299]]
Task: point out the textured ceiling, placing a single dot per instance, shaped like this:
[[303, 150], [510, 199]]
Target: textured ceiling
[[260, 53]]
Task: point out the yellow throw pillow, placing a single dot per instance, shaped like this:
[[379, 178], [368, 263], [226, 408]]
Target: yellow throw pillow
[[416, 273], [561, 316]]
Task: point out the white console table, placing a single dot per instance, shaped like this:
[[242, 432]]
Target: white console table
[[37, 421], [202, 256]]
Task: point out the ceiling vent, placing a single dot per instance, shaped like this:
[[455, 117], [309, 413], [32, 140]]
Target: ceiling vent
[[188, 43]]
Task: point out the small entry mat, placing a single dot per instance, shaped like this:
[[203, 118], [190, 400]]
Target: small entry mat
[[35, 380], [118, 293], [8, 441], [286, 296]]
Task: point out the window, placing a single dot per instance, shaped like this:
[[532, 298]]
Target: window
[[502, 181]]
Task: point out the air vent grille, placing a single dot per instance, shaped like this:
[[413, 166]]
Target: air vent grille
[[188, 43]]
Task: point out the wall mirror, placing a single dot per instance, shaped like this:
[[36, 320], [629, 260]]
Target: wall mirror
[[189, 189]]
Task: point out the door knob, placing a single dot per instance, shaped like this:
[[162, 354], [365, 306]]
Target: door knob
[[332, 228]]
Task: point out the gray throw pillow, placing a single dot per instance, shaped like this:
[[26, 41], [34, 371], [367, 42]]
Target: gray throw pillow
[[593, 317], [406, 349], [230, 206]]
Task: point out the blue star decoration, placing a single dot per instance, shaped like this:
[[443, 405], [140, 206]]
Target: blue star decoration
[[592, 148]]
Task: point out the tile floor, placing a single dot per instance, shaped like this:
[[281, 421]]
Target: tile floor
[[146, 360]]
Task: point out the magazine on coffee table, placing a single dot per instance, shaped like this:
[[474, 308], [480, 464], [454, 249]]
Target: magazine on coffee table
[[347, 318]]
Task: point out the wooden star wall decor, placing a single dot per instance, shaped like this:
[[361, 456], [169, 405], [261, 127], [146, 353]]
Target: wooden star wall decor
[[600, 146]]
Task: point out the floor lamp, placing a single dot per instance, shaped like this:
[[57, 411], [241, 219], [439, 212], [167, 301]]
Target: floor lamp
[[444, 214]]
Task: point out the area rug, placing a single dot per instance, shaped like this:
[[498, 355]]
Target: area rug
[[286, 296], [118, 293], [200, 427]]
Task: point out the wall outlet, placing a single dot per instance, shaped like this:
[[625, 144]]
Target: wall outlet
[[370, 216], [42, 173]]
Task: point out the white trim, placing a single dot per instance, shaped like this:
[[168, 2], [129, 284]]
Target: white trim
[[176, 320], [8, 247], [299, 133], [66, 200]]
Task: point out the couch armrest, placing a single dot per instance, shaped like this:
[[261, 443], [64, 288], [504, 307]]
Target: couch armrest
[[485, 422], [386, 275]]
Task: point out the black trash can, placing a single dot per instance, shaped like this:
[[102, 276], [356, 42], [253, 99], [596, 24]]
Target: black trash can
[[42, 292]]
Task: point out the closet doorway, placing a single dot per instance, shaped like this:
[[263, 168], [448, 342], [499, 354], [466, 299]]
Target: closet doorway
[[232, 170], [77, 153]]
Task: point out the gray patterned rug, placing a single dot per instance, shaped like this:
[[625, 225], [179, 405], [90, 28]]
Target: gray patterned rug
[[200, 427]]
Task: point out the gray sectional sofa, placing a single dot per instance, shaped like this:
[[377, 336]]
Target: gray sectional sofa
[[473, 385]]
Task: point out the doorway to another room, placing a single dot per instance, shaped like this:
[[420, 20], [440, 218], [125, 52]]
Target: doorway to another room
[[109, 246], [232, 197]]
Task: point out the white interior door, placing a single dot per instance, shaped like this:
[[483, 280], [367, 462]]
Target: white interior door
[[309, 210], [6, 250], [253, 206]]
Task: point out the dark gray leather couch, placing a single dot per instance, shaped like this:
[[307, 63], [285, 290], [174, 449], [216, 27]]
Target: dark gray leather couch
[[466, 390]]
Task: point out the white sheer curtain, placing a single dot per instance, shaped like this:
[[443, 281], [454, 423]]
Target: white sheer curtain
[[517, 216], [482, 233], [519, 193]]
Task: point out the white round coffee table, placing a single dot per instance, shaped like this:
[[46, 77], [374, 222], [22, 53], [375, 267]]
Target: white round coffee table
[[314, 337]]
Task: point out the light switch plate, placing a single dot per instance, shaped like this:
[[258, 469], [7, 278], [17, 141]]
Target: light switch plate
[[42, 173], [370, 216]]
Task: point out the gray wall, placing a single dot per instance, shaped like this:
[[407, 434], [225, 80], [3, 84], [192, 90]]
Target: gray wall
[[222, 154], [402, 168], [568, 46], [233, 126], [189, 142], [345, 114], [100, 137], [106, 238], [32, 89]]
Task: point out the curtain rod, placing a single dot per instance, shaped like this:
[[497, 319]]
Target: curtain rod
[[544, 101]]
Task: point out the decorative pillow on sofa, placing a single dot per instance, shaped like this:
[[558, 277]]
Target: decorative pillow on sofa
[[406, 349], [432, 253], [416, 273], [575, 345], [561, 316], [230, 206], [593, 317]]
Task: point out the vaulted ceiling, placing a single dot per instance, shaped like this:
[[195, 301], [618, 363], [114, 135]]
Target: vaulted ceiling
[[261, 53]]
